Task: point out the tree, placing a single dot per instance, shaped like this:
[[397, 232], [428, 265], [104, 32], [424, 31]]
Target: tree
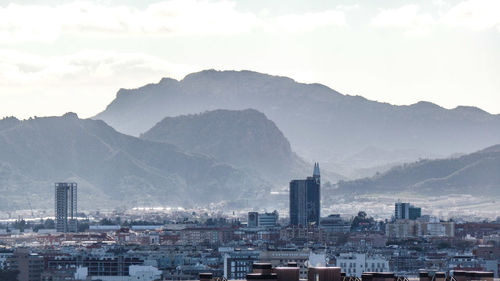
[[361, 219], [83, 226], [106, 221], [49, 224]]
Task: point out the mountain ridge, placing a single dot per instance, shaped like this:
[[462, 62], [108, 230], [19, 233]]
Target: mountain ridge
[[246, 139], [320, 123], [111, 168], [473, 173]]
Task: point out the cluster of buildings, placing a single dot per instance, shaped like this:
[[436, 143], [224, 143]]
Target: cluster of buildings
[[309, 245], [409, 223]]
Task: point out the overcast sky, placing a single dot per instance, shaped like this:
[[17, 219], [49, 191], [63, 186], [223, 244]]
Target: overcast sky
[[58, 56]]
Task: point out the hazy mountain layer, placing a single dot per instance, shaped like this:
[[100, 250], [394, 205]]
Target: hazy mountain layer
[[476, 174], [111, 169], [320, 123], [245, 139]]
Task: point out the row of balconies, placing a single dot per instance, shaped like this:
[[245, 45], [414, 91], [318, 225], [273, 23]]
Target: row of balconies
[[265, 272]]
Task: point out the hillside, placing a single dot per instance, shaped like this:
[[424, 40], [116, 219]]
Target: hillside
[[111, 169], [475, 174], [320, 123], [246, 139]]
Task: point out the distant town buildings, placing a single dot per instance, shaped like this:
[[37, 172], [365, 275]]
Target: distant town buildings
[[354, 264], [284, 257], [268, 220], [181, 249], [66, 207], [423, 227], [263, 220], [334, 223], [253, 219], [406, 211], [194, 245], [29, 265], [305, 198], [238, 263]]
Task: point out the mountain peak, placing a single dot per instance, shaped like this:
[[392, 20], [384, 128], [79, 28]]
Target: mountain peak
[[243, 138], [320, 123], [422, 105], [167, 80], [70, 115], [233, 74], [470, 109], [108, 165], [9, 118]]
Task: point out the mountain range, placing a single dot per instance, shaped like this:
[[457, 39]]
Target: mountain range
[[112, 169], [245, 139], [320, 123], [475, 174], [233, 136]]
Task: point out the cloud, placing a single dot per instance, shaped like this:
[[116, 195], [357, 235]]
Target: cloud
[[309, 21], [352, 7], [82, 82], [20, 23], [405, 16], [469, 14], [18, 68], [44, 23], [474, 15], [408, 17]]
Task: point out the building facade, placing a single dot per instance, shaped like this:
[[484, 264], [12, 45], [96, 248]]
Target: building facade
[[268, 220], [66, 207], [354, 264], [253, 219], [402, 229], [305, 198], [29, 265], [283, 257], [238, 263], [406, 211], [334, 223]]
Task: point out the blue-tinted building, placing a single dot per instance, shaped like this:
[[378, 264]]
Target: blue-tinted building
[[305, 198]]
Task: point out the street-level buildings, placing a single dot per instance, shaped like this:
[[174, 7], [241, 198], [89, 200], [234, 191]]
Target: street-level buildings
[[354, 264]]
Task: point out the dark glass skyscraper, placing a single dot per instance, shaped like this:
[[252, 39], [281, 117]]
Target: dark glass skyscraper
[[305, 197]]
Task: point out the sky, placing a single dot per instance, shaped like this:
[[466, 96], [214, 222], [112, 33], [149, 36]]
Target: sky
[[61, 56]]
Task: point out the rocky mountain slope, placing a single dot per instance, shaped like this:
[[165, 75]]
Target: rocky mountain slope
[[246, 139], [112, 169], [477, 173]]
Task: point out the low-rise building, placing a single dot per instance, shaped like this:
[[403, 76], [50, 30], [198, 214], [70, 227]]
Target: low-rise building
[[354, 264]]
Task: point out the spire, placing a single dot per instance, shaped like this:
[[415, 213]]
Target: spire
[[316, 170]]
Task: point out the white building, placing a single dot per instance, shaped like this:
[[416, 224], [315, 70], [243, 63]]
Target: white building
[[283, 257], [268, 219], [136, 273], [354, 264]]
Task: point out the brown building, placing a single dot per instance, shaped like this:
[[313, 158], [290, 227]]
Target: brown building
[[29, 265]]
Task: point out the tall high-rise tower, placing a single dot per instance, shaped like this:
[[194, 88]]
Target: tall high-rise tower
[[65, 206], [305, 198]]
